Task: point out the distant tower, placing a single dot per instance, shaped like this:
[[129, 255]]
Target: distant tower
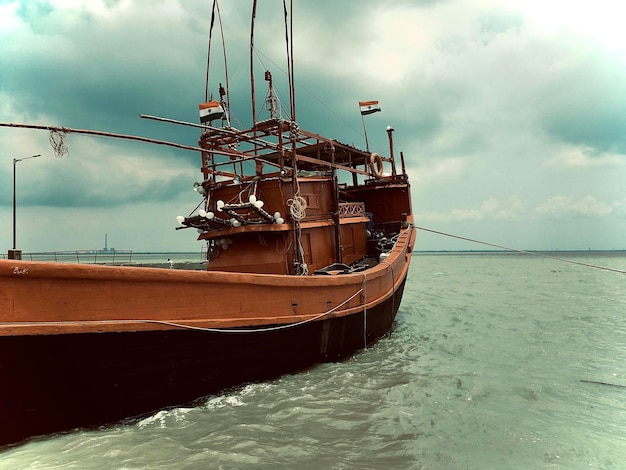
[[106, 245]]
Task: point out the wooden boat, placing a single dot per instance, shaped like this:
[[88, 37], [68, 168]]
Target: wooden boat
[[307, 260]]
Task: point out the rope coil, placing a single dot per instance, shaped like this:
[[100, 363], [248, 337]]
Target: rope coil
[[297, 207]]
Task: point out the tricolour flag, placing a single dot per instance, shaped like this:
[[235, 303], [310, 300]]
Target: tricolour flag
[[210, 111], [369, 107]]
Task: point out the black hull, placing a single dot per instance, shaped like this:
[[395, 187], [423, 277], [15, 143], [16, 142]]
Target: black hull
[[56, 383]]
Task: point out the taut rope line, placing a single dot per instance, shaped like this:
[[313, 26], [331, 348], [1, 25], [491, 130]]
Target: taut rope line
[[534, 253]]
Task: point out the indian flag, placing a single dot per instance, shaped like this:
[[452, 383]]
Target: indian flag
[[368, 107], [210, 111]]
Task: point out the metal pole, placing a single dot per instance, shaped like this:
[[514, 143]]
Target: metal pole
[[393, 162], [15, 160]]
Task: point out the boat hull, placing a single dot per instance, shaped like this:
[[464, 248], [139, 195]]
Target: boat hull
[[56, 383]]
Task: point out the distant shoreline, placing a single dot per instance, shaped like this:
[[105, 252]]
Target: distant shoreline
[[558, 253]]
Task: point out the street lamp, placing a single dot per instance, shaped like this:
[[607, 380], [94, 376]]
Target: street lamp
[[14, 253]]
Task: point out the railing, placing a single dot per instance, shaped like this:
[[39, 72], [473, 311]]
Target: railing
[[174, 260], [351, 209], [82, 256]]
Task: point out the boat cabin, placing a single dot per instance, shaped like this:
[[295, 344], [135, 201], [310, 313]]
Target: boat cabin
[[291, 202]]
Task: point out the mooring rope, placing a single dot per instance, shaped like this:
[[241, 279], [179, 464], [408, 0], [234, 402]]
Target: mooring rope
[[364, 290], [602, 383], [191, 327], [534, 253], [256, 330], [393, 284]]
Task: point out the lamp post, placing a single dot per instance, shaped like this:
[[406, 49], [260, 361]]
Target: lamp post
[[14, 253]]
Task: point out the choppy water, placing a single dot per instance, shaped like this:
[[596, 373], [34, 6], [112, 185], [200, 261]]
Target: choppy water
[[483, 371]]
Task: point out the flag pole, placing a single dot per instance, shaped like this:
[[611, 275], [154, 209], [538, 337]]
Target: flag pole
[[367, 145], [367, 107]]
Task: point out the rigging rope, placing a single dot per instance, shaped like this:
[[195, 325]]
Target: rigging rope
[[534, 253]]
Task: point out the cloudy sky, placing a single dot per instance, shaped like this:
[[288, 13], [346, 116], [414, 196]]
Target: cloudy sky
[[511, 114]]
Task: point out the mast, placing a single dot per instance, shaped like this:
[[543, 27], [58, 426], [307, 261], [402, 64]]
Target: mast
[[298, 252], [223, 92], [252, 63], [289, 44], [271, 96], [208, 57]]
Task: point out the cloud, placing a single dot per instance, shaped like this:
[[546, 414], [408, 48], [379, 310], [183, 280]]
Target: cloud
[[583, 157], [564, 206], [444, 169], [499, 106], [587, 106], [93, 64], [511, 209]]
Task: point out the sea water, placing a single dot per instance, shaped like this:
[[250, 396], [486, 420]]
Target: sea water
[[496, 362]]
